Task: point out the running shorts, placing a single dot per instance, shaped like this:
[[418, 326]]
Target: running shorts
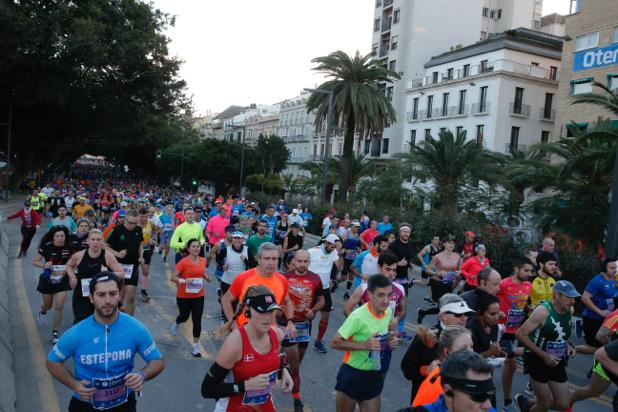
[[358, 384], [540, 372]]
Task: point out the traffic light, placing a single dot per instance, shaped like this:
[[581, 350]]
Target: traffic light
[[158, 153], [194, 182]]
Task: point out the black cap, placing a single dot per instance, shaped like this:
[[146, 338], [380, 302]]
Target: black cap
[[263, 303]]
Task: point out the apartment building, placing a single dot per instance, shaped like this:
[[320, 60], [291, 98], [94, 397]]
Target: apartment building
[[406, 34], [590, 54], [500, 91]]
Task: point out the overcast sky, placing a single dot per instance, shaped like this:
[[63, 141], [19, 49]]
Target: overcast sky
[[259, 51]]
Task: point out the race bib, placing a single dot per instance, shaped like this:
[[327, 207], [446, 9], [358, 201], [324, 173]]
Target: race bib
[[193, 285], [85, 283], [557, 349], [515, 318], [610, 304], [128, 270], [448, 277], [110, 393], [58, 268], [55, 277], [168, 227], [302, 332], [259, 397]]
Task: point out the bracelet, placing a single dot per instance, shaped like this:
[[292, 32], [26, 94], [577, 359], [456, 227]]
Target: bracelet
[[143, 375]]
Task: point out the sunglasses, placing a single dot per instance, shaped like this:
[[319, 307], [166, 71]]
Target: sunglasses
[[479, 397], [457, 315]]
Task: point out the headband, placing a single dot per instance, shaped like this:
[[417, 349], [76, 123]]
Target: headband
[[470, 386]]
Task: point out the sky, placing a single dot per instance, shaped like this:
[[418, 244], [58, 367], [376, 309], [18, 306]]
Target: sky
[[259, 51]]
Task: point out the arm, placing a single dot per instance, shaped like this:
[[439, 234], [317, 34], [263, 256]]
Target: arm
[[227, 301], [175, 242], [15, 215], [113, 265], [339, 343], [71, 266], [604, 335], [352, 302], [58, 371], [604, 358], [39, 261], [285, 245], [420, 255], [213, 251], [587, 300], [363, 242], [534, 322]]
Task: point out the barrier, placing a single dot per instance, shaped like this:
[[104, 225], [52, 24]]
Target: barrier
[[7, 364]]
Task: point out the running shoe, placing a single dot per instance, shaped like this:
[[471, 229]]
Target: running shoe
[[298, 406], [404, 336], [511, 407], [529, 390], [195, 350], [428, 300], [346, 296], [144, 295], [40, 318], [319, 347], [174, 329], [55, 337], [420, 314], [579, 328], [522, 402]]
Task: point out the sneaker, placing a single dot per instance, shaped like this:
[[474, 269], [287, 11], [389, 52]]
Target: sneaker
[[511, 407], [165, 260], [420, 314], [40, 318], [298, 406], [144, 295], [55, 337], [522, 402], [428, 300], [195, 350], [528, 390], [174, 329], [404, 336], [319, 347], [346, 296], [579, 328], [219, 295]]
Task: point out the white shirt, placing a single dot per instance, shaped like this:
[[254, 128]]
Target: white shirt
[[322, 263], [235, 263]]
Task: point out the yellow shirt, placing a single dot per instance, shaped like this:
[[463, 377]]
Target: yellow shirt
[[79, 210], [542, 290]]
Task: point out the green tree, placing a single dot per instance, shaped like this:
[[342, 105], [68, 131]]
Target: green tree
[[360, 103], [360, 167], [271, 154]]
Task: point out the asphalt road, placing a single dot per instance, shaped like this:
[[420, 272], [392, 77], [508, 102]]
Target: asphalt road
[[178, 387]]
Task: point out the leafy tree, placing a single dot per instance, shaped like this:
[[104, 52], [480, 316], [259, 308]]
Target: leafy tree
[[271, 154], [359, 101]]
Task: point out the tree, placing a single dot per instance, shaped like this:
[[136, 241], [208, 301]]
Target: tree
[[360, 103], [360, 167], [315, 170], [271, 154]]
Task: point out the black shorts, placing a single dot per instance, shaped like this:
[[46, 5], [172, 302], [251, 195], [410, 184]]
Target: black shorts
[[147, 256], [328, 300], [77, 405], [591, 326], [540, 372], [358, 384], [46, 287], [134, 277]]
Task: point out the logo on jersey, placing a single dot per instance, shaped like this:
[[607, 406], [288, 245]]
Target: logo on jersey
[[95, 340], [248, 357]]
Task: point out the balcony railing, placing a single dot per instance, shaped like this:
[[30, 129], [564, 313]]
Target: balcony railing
[[413, 116], [388, 3], [521, 110], [511, 148], [478, 108], [383, 51], [547, 115]]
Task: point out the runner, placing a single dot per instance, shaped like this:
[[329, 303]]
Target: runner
[[305, 289], [232, 259], [79, 240], [402, 248], [255, 242], [55, 201], [82, 267], [104, 377], [369, 234], [62, 219], [219, 246], [126, 243], [543, 282], [466, 248], [471, 267], [189, 275], [185, 231], [281, 230], [424, 257], [366, 263], [271, 220], [30, 222], [322, 258], [368, 342], [351, 248], [54, 252], [149, 234], [215, 229], [385, 225], [79, 210], [293, 241], [167, 220], [106, 203], [251, 353], [445, 268], [545, 337], [513, 294]]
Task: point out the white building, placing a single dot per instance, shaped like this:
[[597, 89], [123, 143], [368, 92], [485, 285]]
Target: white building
[[500, 91], [408, 33]]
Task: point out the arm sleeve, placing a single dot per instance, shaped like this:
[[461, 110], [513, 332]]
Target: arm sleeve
[[175, 241], [64, 349], [236, 287], [358, 261], [214, 387], [593, 286]]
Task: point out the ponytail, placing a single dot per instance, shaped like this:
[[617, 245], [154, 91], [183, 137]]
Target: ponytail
[[252, 291]]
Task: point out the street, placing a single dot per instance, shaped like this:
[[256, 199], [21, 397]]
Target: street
[[178, 387]]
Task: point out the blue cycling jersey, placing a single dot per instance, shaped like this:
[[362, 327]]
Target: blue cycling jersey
[[102, 352]]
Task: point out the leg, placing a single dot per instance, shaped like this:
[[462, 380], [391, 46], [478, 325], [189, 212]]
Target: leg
[[184, 310], [560, 395], [510, 366], [294, 361], [323, 325], [129, 294], [543, 395], [343, 403], [372, 405], [59, 299], [47, 301], [302, 349], [197, 309], [595, 388]]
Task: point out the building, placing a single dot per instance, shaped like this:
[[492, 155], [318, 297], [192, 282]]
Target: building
[[296, 128], [500, 91], [590, 54], [262, 124], [253, 119], [406, 34], [223, 118], [203, 126], [553, 24]]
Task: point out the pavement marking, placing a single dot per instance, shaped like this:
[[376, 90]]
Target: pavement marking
[[45, 382]]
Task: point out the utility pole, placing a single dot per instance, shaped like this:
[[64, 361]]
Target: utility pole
[[9, 125], [242, 159]]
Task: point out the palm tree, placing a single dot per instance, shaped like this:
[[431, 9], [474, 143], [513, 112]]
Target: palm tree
[[607, 100], [359, 101], [360, 167], [315, 171], [450, 163]]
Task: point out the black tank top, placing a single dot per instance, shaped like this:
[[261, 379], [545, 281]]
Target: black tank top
[[89, 266]]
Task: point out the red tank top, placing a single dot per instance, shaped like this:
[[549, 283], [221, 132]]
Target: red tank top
[[252, 364]]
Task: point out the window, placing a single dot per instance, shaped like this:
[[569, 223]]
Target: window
[[396, 16], [544, 136], [549, 101], [499, 13], [553, 73], [427, 133], [442, 129], [412, 141], [429, 106], [376, 25], [492, 14], [480, 130], [612, 82], [466, 70], [519, 100], [587, 41], [581, 86], [394, 45], [484, 67], [449, 74], [483, 35], [462, 102], [415, 108], [485, 11], [374, 49], [483, 100], [514, 138], [378, 3], [445, 104], [392, 65], [389, 93], [534, 64], [385, 145], [459, 130], [434, 77]]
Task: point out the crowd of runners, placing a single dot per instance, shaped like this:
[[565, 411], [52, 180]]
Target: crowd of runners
[[276, 295]]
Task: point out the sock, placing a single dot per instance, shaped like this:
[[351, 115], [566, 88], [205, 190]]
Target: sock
[[322, 329], [401, 325], [348, 286], [296, 388], [144, 282]]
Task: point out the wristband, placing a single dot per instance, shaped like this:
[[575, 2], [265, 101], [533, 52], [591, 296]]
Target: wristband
[[143, 375]]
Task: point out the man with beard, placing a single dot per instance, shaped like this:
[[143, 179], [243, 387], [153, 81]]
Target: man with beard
[[402, 248], [103, 348]]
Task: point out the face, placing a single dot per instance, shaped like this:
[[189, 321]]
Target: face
[[382, 246], [62, 212], [329, 247], [190, 215], [490, 316], [469, 239], [169, 209], [549, 245], [450, 246], [130, 222], [523, 273], [463, 342], [143, 219], [59, 238], [435, 240], [237, 242], [386, 218], [549, 267], [564, 301], [391, 238], [301, 262], [482, 252], [373, 224], [389, 270], [222, 211], [105, 299], [194, 248], [270, 211], [83, 228], [450, 319], [269, 261], [261, 228], [492, 285], [461, 401], [262, 321], [94, 241], [404, 233], [335, 222], [611, 269], [380, 298]]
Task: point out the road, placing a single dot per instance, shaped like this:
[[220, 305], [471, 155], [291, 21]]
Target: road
[[178, 387]]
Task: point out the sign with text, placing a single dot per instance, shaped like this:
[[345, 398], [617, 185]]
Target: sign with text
[[595, 58]]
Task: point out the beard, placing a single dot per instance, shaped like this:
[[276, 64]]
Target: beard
[[106, 312]]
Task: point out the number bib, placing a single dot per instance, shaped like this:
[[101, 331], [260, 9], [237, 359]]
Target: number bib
[[557, 349], [302, 329], [193, 285], [515, 318], [168, 227], [610, 304], [128, 270], [259, 397], [385, 352], [448, 277], [110, 393], [85, 284]]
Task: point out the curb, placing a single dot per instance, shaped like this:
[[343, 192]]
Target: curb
[[8, 396]]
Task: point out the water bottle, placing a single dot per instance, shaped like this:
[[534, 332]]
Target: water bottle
[[46, 273], [375, 358]]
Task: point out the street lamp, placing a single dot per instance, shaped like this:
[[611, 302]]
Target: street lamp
[[329, 127]]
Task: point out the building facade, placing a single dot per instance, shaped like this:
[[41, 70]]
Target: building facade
[[406, 34], [590, 55], [500, 91]]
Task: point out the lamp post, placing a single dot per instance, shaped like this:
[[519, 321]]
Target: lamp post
[[9, 126], [329, 127]]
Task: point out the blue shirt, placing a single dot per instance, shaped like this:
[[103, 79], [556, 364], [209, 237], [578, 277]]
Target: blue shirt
[[602, 291], [104, 351], [440, 406], [272, 224], [384, 227], [167, 221]]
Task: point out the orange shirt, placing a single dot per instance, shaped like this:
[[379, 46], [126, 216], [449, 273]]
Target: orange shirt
[[430, 390], [108, 230], [193, 273], [277, 283]]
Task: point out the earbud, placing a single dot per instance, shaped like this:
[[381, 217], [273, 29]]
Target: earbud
[[248, 313]]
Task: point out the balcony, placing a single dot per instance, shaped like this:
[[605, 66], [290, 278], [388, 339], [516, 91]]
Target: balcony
[[547, 115], [386, 24], [519, 110], [383, 51], [413, 116], [512, 148], [481, 108], [388, 3]]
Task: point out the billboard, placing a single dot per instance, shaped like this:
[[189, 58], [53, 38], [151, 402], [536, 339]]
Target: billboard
[[595, 58]]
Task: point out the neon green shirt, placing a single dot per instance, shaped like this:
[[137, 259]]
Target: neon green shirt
[[185, 232]]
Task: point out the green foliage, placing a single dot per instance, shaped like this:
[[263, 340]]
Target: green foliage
[[270, 183], [271, 154]]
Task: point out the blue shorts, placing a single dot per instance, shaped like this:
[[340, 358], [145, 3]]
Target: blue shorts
[[358, 384], [165, 237]]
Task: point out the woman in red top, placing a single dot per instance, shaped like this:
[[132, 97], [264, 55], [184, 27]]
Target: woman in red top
[[471, 267], [30, 222], [251, 352], [189, 275], [366, 238]]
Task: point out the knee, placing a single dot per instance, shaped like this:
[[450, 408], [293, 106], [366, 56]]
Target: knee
[[58, 305], [561, 403]]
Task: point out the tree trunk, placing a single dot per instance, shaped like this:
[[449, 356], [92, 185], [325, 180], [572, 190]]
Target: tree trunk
[[346, 159]]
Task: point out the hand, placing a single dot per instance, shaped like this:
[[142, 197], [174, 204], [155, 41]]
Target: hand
[[38, 226], [571, 351], [85, 393], [495, 349], [433, 365], [225, 266], [393, 340], [550, 360], [286, 382], [290, 329], [373, 344], [393, 323], [604, 313], [47, 265], [257, 383], [73, 282], [121, 254], [208, 278], [134, 381], [309, 314], [141, 261]]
